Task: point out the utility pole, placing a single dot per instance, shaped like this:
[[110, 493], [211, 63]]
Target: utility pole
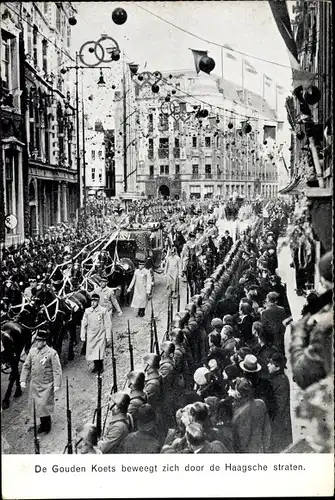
[[84, 150], [124, 131], [79, 183]]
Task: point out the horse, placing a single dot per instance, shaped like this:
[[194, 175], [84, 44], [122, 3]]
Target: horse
[[195, 274], [16, 335], [74, 305]]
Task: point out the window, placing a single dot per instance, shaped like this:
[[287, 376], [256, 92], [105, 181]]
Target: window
[[177, 167], [93, 175], [194, 142], [163, 122], [166, 169], [195, 192], [176, 143], [100, 155], [151, 170], [182, 107], [209, 189], [45, 55], [151, 149], [195, 171], [218, 171], [162, 169], [58, 17], [207, 142], [208, 171], [100, 177], [150, 122], [5, 61], [93, 154], [35, 51], [163, 151]]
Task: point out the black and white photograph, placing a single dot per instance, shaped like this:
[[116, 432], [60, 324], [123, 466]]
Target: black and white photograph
[[166, 211]]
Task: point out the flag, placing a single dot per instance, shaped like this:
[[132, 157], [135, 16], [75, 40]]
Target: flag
[[249, 68], [267, 80], [198, 54], [282, 18], [229, 54]]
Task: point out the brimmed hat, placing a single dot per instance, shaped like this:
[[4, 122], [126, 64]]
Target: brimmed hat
[[95, 296], [201, 376], [146, 418], [42, 335], [249, 364]]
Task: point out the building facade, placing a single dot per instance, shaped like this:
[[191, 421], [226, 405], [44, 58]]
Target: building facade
[[311, 118], [13, 169], [172, 151], [49, 115], [95, 161]]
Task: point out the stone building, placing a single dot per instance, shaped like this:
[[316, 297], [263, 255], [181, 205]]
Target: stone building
[[13, 171], [49, 114], [173, 152]]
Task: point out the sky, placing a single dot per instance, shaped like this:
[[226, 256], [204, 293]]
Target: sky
[[247, 26]]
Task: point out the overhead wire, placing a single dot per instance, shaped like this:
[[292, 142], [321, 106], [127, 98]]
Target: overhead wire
[[209, 41]]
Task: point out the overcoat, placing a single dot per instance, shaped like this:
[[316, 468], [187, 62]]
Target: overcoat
[[142, 285], [45, 372], [251, 427], [96, 328]]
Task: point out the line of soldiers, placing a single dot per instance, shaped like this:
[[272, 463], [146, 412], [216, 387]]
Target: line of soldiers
[[211, 386]]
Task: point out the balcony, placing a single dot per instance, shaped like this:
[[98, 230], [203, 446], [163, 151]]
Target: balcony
[[195, 175], [163, 153], [176, 153], [208, 175]]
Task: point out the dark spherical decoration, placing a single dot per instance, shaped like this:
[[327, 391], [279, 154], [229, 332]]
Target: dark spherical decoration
[[170, 76], [230, 125], [233, 143], [252, 151], [119, 16], [206, 64], [247, 128], [290, 148], [167, 98], [155, 89], [312, 95], [300, 135], [140, 78], [91, 50], [204, 113], [63, 71], [72, 21], [265, 142], [240, 132], [113, 87], [173, 92], [273, 164], [217, 121], [116, 56], [271, 157]]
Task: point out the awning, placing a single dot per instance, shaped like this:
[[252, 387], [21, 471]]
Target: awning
[[296, 186]]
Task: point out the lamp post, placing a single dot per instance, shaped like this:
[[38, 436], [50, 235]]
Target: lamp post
[[81, 185]]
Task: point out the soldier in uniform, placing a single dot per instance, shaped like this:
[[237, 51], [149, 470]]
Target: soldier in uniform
[[137, 395], [187, 248], [119, 425], [107, 297], [153, 384], [43, 367], [96, 329], [167, 370]]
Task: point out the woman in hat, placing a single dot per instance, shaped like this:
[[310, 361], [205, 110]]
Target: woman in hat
[[251, 423], [142, 285], [43, 367]]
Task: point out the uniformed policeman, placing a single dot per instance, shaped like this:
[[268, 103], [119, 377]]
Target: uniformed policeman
[[107, 297]]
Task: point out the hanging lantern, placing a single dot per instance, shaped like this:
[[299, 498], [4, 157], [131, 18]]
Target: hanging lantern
[[155, 89], [119, 16], [91, 50], [167, 98], [230, 125], [265, 142], [312, 95], [72, 21], [206, 64], [113, 87]]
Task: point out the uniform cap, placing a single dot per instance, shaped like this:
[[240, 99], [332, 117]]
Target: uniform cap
[[152, 360], [42, 335], [121, 399], [145, 418], [95, 296], [168, 347], [136, 378]]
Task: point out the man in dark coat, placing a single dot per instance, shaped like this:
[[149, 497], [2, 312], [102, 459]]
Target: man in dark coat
[[227, 305], [281, 427], [272, 318], [197, 443]]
